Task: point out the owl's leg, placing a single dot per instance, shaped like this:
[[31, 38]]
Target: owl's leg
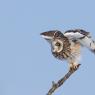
[[73, 66]]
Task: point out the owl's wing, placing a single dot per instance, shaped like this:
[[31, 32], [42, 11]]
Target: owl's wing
[[83, 37]]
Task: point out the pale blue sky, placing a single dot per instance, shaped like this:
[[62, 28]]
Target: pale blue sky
[[26, 64]]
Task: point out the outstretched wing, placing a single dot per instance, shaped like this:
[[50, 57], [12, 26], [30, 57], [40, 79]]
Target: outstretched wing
[[83, 37]]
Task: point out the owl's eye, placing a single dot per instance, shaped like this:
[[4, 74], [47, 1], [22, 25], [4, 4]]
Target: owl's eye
[[58, 44]]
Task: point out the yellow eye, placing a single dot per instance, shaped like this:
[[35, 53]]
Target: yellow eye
[[58, 44]]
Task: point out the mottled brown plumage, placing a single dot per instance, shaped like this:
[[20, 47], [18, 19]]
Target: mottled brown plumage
[[65, 52], [67, 46]]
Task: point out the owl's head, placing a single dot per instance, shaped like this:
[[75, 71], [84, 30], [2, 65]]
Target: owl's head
[[54, 37]]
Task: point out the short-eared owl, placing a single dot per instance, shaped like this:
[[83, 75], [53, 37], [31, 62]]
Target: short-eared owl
[[67, 45]]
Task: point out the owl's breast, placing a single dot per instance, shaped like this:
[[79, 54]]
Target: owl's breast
[[64, 54], [75, 47], [61, 55]]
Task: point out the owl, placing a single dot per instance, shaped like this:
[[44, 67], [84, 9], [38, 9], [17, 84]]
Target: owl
[[67, 45]]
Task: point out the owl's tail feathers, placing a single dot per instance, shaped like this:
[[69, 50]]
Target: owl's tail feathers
[[88, 42]]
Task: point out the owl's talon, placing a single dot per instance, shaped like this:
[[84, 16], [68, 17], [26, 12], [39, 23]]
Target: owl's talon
[[74, 67]]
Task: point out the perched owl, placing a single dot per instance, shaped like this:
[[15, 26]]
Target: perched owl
[[67, 45]]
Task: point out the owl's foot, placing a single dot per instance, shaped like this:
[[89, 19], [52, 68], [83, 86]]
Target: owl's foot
[[74, 67]]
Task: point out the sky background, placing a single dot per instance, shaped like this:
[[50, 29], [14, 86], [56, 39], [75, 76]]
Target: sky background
[[27, 66]]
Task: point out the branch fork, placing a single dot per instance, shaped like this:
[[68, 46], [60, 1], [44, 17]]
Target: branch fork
[[60, 82]]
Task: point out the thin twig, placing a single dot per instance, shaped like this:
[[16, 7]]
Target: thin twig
[[60, 82]]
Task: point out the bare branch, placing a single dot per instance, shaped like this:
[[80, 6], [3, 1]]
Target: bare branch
[[61, 81]]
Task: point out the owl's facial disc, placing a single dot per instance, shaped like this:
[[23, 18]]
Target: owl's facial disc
[[57, 45]]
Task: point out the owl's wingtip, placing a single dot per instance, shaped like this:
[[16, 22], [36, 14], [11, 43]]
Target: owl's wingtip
[[93, 51], [41, 34], [45, 36]]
